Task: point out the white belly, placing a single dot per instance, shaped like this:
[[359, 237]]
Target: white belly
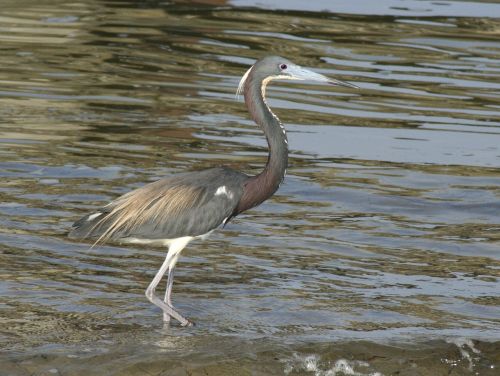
[[164, 242]]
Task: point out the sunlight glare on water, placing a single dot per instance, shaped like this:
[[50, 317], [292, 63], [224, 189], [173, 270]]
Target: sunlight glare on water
[[379, 254]]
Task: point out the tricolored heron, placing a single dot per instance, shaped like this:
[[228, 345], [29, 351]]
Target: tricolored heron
[[176, 210]]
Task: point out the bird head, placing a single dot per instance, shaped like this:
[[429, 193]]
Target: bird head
[[279, 68]]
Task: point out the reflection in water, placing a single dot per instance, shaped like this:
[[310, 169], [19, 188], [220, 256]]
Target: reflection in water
[[385, 231]]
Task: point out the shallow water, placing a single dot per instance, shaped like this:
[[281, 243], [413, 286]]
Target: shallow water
[[380, 252]]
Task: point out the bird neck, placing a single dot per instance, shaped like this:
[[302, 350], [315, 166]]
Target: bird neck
[[262, 186]]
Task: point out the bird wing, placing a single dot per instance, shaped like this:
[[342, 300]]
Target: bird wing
[[189, 204]]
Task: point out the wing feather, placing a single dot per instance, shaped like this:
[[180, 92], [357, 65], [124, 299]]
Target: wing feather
[[182, 205], [151, 203]]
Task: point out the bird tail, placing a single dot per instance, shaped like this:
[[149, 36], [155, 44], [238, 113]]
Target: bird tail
[[88, 227]]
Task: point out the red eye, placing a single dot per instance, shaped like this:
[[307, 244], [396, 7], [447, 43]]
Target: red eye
[[283, 66]]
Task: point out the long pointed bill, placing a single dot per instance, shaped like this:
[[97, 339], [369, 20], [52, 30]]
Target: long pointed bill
[[300, 73]]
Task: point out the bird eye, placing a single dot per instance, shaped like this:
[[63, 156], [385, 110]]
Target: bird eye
[[283, 66]]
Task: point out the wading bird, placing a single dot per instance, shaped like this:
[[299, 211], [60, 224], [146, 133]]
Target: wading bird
[[176, 210]]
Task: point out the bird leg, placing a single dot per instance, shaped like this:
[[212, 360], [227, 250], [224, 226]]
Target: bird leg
[[170, 283], [168, 264], [167, 310], [168, 292]]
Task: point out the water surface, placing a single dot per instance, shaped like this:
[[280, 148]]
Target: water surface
[[380, 252]]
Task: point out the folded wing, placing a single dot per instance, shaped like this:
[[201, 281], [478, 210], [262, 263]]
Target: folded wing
[[189, 204]]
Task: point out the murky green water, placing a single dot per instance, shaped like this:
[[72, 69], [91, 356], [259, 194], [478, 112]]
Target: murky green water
[[378, 256]]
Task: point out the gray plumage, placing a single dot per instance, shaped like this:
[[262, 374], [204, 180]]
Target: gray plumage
[[178, 209], [199, 210]]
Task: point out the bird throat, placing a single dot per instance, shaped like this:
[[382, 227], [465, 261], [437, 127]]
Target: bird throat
[[260, 187]]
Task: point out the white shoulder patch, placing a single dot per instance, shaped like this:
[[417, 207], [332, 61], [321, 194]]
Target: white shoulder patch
[[93, 216], [222, 190]]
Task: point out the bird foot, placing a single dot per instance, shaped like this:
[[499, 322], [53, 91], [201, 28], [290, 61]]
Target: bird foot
[[184, 322], [188, 323], [167, 310]]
